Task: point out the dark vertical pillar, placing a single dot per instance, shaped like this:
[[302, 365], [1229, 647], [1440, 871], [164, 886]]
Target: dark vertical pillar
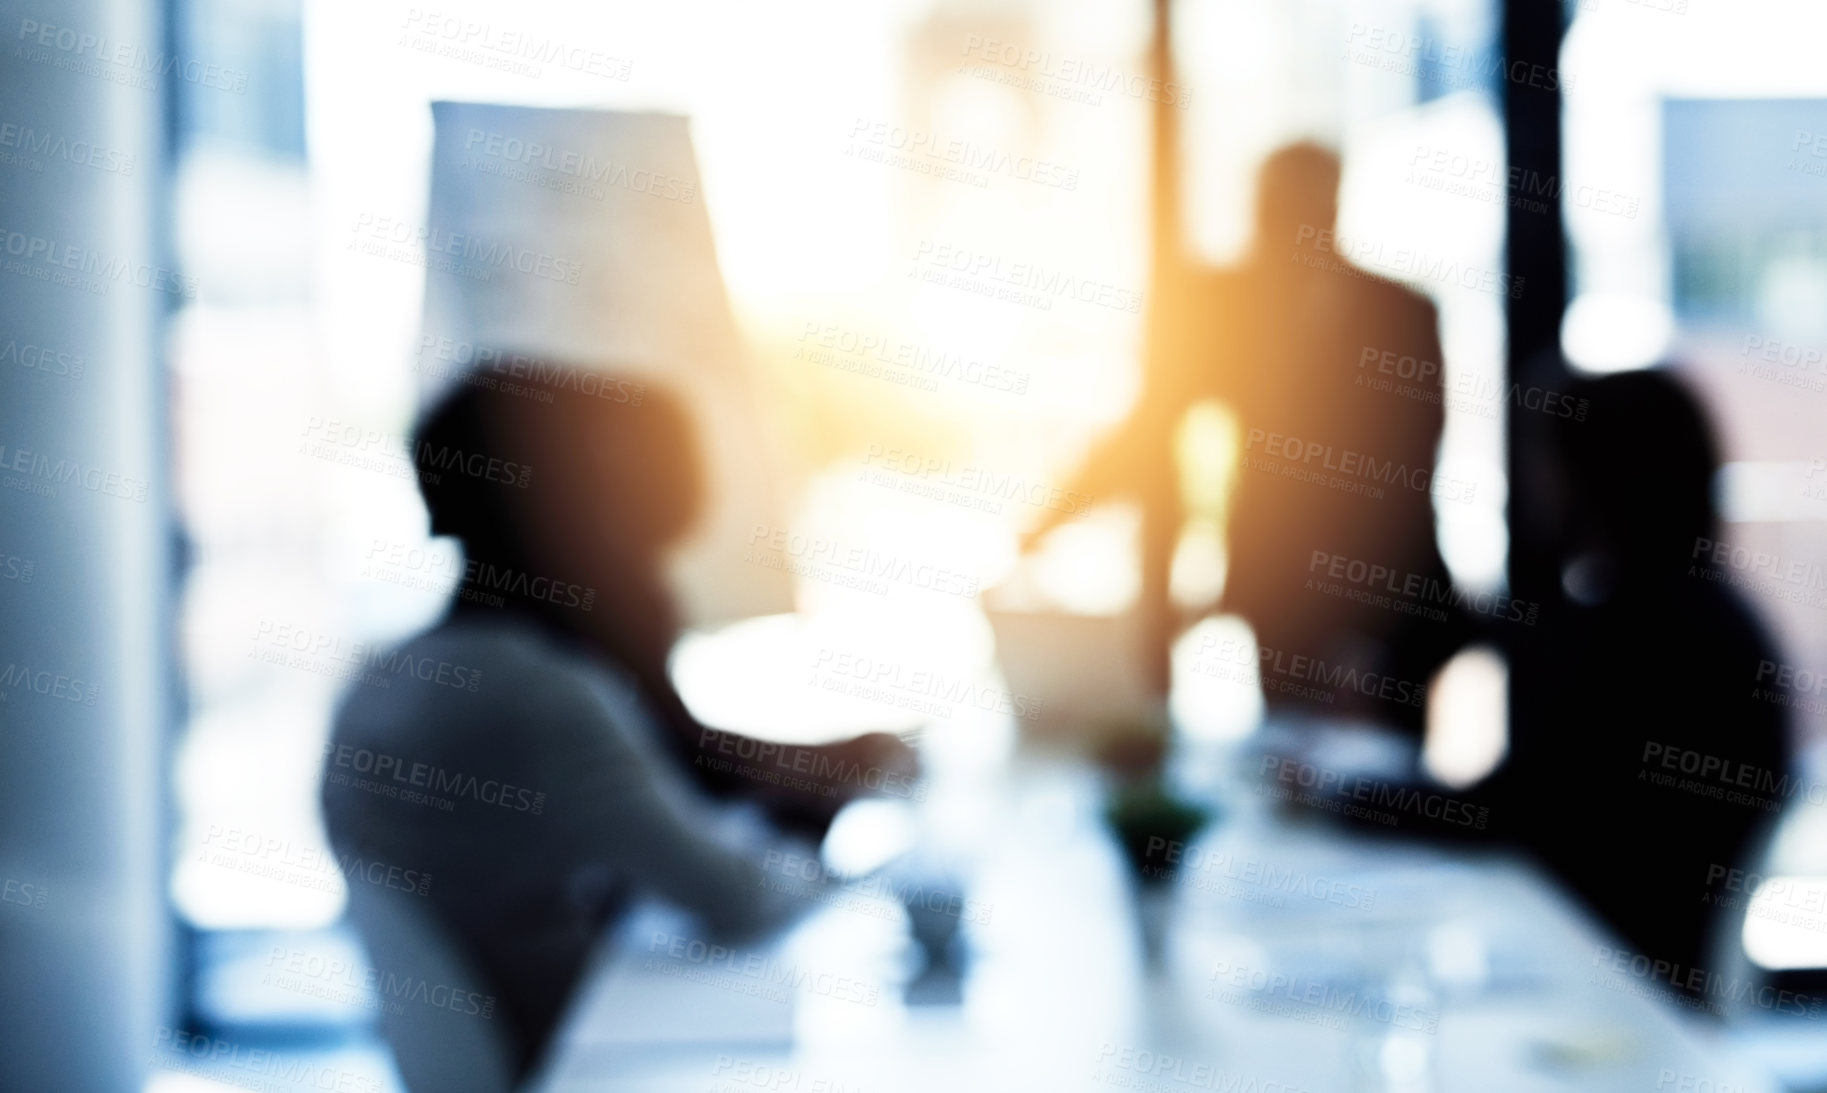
[[1536, 251]]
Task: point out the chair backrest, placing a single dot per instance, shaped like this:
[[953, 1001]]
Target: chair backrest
[[438, 1043]]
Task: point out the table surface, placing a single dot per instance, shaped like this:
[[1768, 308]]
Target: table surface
[[1292, 957]]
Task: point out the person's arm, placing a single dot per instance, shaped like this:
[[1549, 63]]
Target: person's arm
[[1184, 363], [1115, 467], [637, 629], [623, 805], [814, 780]]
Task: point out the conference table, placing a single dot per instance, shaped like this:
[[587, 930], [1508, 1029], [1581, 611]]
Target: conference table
[[1283, 955]]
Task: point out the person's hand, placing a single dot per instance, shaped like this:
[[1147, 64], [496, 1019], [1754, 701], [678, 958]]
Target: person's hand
[[894, 757], [817, 781], [1029, 541]]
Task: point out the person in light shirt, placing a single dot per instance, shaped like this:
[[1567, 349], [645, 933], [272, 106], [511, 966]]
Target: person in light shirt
[[563, 774]]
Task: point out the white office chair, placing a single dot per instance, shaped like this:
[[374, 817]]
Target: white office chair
[[437, 1049]]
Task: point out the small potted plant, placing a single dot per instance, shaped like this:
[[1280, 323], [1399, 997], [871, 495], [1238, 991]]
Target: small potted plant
[[1145, 815], [1142, 811]]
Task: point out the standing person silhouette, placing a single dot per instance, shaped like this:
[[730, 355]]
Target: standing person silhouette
[[1284, 341]]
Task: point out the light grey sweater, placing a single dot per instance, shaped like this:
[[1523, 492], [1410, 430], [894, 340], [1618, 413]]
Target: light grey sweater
[[526, 781]]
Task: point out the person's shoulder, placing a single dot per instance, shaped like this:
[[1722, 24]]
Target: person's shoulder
[[458, 669], [1389, 298], [505, 640], [1711, 648]]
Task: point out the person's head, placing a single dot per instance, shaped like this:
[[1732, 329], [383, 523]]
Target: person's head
[[570, 478], [1298, 186], [1637, 471]]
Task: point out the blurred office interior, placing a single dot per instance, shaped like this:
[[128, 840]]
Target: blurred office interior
[[1648, 190]]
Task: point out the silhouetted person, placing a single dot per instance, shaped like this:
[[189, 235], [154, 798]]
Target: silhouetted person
[[1645, 665], [1293, 342], [539, 707]]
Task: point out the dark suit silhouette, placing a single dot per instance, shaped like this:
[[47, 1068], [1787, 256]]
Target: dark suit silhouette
[[1283, 342], [1645, 656]]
